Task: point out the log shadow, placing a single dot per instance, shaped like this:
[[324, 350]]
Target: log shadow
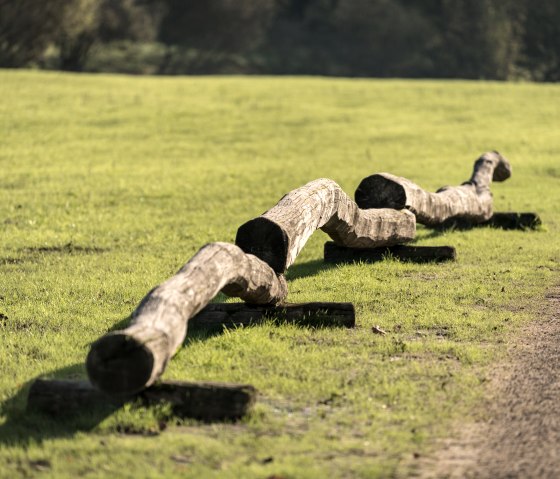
[[309, 268], [23, 427]]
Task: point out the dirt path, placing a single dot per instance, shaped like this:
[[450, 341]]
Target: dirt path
[[522, 438]]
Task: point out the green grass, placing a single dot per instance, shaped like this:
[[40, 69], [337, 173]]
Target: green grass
[[108, 184]]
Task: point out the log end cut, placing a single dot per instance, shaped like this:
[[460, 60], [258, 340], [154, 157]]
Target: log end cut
[[120, 364], [502, 170], [380, 191], [266, 240]]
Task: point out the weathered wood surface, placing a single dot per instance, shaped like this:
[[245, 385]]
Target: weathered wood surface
[[416, 254], [218, 315], [505, 221], [205, 401], [472, 201], [127, 361], [278, 235]]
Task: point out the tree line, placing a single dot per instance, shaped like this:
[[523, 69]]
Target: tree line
[[490, 39]]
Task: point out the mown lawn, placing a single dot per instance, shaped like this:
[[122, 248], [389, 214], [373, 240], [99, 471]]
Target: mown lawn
[[108, 184]]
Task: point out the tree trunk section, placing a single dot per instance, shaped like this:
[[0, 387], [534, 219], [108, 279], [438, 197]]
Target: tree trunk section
[[205, 401], [279, 234], [218, 315], [472, 201], [125, 362], [414, 254]]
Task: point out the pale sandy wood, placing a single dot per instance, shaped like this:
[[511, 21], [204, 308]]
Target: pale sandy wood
[[278, 235], [200, 400], [127, 361], [472, 201]]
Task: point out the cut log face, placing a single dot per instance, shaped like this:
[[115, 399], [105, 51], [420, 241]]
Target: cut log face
[[471, 201], [279, 234], [218, 315], [415, 254], [206, 401], [125, 362]]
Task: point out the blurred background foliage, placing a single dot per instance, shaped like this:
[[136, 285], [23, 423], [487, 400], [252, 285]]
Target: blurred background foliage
[[486, 39]]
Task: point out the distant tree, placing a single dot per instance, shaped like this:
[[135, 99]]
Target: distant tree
[[381, 38], [77, 32], [27, 27], [541, 50], [135, 20], [210, 33]]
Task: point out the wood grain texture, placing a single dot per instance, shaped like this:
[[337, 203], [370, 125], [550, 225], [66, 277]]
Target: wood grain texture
[[415, 254], [218, 315], [127, 361], [472, 201], [199, 400], [278, 235]]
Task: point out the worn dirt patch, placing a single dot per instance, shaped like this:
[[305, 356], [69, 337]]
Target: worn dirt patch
[[521, 436]]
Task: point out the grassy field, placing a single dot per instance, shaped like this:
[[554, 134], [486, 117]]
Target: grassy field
[[108, 184]]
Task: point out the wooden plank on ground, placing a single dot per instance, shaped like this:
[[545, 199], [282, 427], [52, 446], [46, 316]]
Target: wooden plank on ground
[[199, 400], [416, 254], [218, 315]]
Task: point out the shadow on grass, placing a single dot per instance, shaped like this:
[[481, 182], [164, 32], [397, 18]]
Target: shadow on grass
[[309, 268], [23, 426]]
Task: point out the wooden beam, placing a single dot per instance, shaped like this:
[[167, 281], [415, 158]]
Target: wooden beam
[[278, 235], [506, 221], [205, 401], [125, 362], [416, 254], [218, 315], [472, 201]]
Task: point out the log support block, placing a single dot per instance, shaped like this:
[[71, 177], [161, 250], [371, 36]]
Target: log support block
[[415, 254], [218, 315], [504, 220], [204, 401]]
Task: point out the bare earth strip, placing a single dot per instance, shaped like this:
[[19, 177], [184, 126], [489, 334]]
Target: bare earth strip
[[521, 439]]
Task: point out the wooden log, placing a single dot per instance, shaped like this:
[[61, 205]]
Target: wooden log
[[218, 315], [416, 254], [127, 361], [278, 235], [206, 401], [506, 221], [471, 201]]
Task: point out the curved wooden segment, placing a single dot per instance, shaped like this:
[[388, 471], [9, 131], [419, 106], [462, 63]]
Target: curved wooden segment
[[472, 201], [127, 361], [279, 234]]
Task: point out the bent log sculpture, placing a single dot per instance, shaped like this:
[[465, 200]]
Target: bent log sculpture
[[472, 201], [125, 362], [278, 235]]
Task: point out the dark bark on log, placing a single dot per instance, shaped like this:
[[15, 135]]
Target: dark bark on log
[[204, 401], [415, 254], [216, 316], [471, 201], [279, 234], [125, 362], [505, 221]]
